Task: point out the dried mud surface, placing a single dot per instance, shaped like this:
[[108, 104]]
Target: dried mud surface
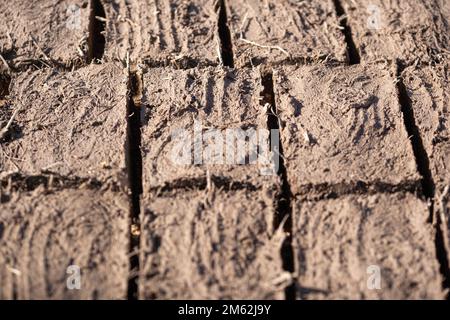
[[70, 123], [271, 31], [211, 244], [336, 241], [93, 93], [184, 108], [27, 32], [342, 126], [178, 32], [44, 231], [415, 30]]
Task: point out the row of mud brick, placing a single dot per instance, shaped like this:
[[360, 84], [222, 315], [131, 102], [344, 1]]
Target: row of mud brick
[[86, 128]]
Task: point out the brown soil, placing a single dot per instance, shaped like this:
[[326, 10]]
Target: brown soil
[[211, 244], [89, 98], [45, 231], [342, 126], [44, 33], [177, 32], [70, 123], [271, 31], [219, 100], [339, 239], [414, 30]]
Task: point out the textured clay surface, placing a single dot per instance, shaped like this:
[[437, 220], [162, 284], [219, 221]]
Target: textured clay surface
[[275, 31], [134, 144], [201, 103], [44, 31], [428, 89], [211, 244], [42, 233], [180, 32], [70, 123], [342, 126], [408, 30], [340, 243]]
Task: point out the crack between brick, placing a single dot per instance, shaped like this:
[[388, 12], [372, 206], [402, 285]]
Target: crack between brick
[[187, 63], [283, 215], [352, 51], [226, 45], [134, 169], [97, 26], [5, 80], [323, 191], [420, 154], [201, 183], [295, 61], [36, 64], [19, 182]]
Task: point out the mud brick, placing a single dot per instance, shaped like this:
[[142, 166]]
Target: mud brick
[[341, 244], [442, 213], [44, 30], [273, 31], [428, 88], [70, 123], [210, 244], [342, 128], [407, 30], [198, 101], [182, 32], [43, 232]]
